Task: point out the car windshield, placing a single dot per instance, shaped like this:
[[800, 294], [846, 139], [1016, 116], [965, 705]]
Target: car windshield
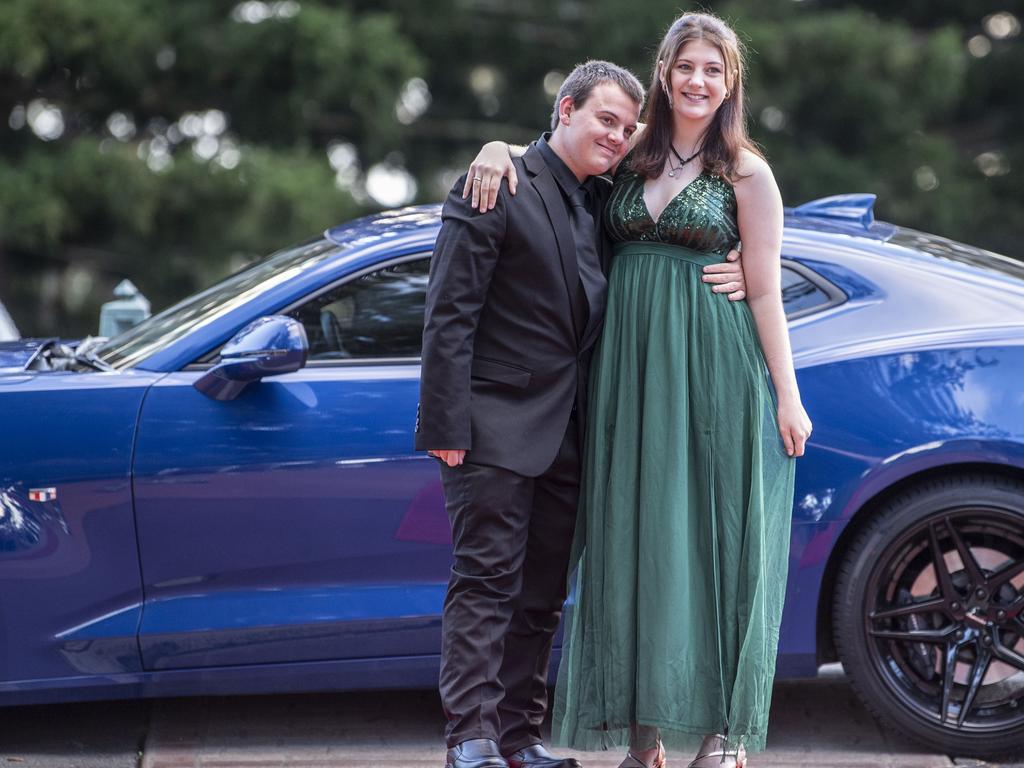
[[154, 333]]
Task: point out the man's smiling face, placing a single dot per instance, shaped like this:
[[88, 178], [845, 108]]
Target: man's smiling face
[[592, 137]]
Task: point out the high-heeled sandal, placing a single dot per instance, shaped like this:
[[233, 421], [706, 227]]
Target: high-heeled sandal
[[714, 753], [632, 761]]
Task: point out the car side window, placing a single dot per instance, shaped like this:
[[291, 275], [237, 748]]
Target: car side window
[[804, 292], [377, 315]]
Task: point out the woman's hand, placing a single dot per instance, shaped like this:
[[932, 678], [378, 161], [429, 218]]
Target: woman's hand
[[795, 427], [485, 173]]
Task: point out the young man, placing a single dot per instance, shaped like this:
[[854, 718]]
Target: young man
[[514, 306]]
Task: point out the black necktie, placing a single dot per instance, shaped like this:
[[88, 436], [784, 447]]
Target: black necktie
[[584, 232]]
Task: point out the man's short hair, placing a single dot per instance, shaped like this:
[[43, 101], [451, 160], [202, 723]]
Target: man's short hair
[[586, 76]]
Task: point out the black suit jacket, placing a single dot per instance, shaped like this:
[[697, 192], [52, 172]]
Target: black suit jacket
[[503, 361]]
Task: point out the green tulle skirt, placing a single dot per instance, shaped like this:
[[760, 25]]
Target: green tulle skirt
[[683, 534]]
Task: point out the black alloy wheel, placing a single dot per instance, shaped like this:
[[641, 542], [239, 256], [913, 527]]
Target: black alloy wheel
[[929, 614]]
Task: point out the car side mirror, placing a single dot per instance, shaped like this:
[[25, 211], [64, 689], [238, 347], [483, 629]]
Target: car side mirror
[[269, 346]]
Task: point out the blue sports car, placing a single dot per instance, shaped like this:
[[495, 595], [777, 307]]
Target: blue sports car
[[226, 499]]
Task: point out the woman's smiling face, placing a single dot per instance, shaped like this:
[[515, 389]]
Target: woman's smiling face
[[697, 80]]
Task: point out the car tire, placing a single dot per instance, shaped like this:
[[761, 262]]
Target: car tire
[[919, 643]]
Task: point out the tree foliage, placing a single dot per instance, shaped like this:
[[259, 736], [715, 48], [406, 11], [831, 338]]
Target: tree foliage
[[189, 141], [171, 140]]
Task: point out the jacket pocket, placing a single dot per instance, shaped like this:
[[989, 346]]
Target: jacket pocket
[[504, 373]]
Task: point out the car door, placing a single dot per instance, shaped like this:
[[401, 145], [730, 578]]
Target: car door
[[296, 522], [70, 593]]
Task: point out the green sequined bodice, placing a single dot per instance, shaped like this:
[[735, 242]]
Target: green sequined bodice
[[702, 216]]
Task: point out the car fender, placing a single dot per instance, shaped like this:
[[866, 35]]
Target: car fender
[[939, 455]]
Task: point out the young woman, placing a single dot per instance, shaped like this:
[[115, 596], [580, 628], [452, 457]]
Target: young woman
[[688, 479]]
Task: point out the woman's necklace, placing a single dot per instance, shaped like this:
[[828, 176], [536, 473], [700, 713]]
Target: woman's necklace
[[682, 161]]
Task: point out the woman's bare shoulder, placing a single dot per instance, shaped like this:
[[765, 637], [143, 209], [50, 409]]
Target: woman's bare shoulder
[[750, 166]]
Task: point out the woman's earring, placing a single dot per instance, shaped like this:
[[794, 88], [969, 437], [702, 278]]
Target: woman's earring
[[668, 94]]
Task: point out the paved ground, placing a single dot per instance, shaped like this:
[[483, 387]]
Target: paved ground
[[814, 723], [94, 735]]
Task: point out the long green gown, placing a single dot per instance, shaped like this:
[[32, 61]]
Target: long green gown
[[687, 495]]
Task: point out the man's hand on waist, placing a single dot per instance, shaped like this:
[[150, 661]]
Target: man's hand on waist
[[727, 277]]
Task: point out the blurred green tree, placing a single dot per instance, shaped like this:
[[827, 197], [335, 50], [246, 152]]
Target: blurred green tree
[[977, 197], [171, 141]]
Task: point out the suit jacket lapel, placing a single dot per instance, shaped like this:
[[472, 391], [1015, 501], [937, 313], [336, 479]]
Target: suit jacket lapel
[[554, 204]]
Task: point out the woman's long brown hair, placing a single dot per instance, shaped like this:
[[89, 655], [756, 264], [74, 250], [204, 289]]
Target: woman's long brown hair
[[727, 135]]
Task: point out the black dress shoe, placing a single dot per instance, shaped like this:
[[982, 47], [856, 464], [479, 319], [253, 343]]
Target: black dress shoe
[[475, 753], [536, 756]]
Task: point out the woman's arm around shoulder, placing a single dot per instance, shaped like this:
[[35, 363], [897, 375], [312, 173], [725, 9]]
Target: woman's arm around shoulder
[[491, 164], [494, 162]]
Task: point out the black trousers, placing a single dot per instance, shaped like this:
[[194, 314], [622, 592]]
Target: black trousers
[[511, 537]]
